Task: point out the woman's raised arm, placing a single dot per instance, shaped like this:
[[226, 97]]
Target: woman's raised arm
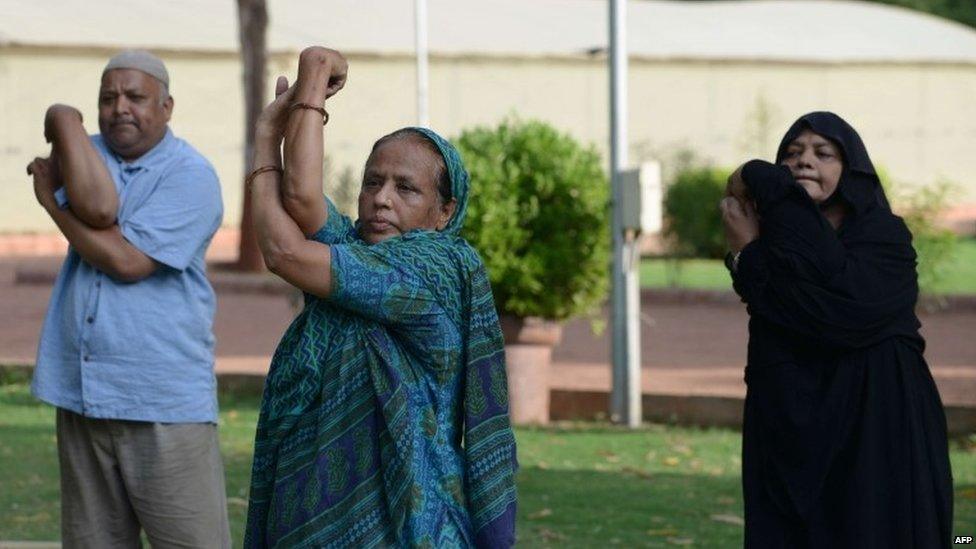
[[798, 275], [301, 262], [321, 73]]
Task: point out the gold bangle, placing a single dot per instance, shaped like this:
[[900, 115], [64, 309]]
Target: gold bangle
[[309, 106], [263, 169]]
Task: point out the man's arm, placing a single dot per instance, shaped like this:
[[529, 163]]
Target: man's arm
[[321, 73], [87, 182], [104, 248]]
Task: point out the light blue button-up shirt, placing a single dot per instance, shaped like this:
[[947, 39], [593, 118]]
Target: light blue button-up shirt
[[144, 350]]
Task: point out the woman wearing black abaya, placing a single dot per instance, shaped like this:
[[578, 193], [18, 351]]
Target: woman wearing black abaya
[[844, 435]]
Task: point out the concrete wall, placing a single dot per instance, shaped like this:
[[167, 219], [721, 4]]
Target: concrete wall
[[918, 121]]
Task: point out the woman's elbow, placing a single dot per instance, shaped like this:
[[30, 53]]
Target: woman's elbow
[[293, 198], [297, 267], [279, 259]]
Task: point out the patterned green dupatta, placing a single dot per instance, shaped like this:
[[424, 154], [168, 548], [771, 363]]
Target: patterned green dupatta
[[348, 450], [489, 445]]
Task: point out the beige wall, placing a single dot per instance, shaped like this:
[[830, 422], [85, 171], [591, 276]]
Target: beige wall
[[918, 121]]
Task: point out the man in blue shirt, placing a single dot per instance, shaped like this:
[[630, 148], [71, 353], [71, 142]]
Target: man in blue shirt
[[126, 350]]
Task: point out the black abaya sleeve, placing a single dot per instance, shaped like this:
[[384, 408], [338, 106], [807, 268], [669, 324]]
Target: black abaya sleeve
[[802, 276]]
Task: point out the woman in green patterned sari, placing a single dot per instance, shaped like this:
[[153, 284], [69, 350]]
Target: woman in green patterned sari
[[385, 413]]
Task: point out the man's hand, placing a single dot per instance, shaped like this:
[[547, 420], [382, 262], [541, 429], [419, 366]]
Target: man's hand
[[321, 74], [46, 181], [57, 115], [741, 222]]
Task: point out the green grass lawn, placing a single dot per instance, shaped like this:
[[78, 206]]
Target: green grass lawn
[[697, 274], [958, 275], [581, 485]]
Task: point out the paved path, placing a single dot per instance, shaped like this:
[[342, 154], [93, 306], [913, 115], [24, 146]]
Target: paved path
[[687, 348]]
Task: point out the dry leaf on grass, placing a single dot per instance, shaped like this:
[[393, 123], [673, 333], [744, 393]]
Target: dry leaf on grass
[[550, 535], [637, 472], [542, 513], [728, 519]]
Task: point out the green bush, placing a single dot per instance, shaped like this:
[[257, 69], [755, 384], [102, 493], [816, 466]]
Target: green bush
[[921, 208], [693, 225], [342, 186], [539, 217], [934, 244]]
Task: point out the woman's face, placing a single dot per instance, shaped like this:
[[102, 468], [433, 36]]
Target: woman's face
[[399, 192], [816, 163]]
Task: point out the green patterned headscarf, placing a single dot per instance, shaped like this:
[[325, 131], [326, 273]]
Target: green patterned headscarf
[[456, 171]]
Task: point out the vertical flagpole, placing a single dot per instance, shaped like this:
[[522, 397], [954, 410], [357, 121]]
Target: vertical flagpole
[[625, 302], [420, 11]]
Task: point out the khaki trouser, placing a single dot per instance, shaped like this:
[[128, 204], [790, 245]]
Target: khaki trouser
[[118, 476]]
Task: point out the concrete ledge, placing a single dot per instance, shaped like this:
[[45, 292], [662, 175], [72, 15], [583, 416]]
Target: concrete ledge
[[961, 420], [241, 384], [698, 410], [926, 303], [227, 281], [676, 409], [222, 279]]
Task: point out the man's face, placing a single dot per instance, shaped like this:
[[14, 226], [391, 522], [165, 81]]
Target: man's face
[[132, 112], [399, 192], [816, 164]]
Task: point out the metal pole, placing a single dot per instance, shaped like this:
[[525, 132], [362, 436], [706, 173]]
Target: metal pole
[[625, 304], [420, 11]]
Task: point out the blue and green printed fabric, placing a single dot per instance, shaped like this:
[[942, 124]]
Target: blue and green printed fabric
[[385, 421]]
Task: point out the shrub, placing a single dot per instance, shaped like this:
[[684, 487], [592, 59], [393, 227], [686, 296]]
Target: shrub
[[693, 225], [342, 187], [934, 244], [921, 208], [539, 217]]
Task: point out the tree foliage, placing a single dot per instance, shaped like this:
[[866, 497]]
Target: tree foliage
[[962, 11], [539, 217], [693, 225]]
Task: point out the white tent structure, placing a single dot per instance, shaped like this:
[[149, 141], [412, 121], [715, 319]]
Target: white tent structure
[[723, 79]]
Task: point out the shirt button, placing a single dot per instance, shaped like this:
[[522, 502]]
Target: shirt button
[[86, 358], [90, 319]]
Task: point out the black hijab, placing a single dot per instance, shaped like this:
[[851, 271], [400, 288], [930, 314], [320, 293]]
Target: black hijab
[[854, 286], [839, 401], [859, 184], [821, 301]]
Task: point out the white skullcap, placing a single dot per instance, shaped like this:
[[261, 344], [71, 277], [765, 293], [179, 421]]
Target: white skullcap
[[139, 60]]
